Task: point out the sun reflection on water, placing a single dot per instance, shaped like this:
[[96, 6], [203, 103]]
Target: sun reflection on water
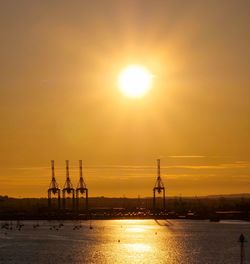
[[138, 247], [136, 229]]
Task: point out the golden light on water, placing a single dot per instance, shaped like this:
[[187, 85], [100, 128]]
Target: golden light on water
[[138, 247], [135, 81], [136, 229]]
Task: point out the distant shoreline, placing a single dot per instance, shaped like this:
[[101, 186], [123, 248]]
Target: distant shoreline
[[196, 208], [229, 195], [71, 217]]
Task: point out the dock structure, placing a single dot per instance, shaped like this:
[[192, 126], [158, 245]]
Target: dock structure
[[68, 189], [81, 189], [242, 240], [159, 187], [54, 188]]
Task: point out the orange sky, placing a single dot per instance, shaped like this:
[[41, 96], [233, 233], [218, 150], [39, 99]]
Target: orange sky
[[59, 97]]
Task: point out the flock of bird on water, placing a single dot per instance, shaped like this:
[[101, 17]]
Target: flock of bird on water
[[18, 226]]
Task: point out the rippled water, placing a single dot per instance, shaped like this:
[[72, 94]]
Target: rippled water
[[125, 241]]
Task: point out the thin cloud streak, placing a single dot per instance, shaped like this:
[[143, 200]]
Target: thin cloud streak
[[236, 165], [187, 156]]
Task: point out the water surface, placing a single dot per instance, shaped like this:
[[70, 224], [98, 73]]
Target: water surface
[[124, 241]]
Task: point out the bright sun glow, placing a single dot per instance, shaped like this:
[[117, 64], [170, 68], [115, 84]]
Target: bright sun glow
[[135, 81]]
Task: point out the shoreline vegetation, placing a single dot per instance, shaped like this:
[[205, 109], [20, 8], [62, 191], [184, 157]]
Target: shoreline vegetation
[[213, 208]]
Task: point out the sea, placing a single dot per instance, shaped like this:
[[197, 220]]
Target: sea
[[124, 242]]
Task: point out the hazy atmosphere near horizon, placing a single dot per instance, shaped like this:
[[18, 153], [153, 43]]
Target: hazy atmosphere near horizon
[[60, 63]]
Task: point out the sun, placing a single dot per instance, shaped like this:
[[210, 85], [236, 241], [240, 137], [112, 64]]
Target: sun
[[135, 81]]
